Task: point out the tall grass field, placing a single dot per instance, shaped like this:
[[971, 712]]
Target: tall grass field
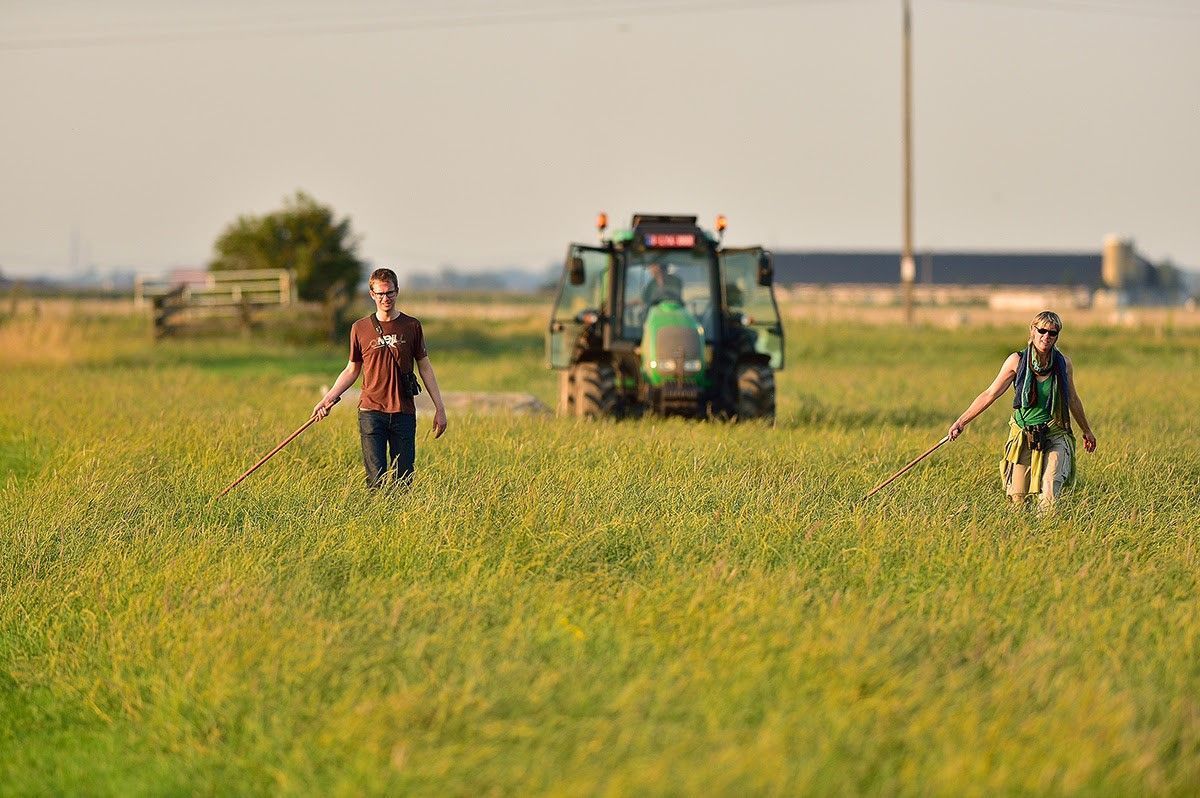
[[566, 608]]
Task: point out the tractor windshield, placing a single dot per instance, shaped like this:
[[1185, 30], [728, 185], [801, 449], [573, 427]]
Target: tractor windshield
[[654, 276]]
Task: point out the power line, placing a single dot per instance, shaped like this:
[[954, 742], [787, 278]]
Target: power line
[[1139, 9], [284, 14], [239, 29], [390, 23]]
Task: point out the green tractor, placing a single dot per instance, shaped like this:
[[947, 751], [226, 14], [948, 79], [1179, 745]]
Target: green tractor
[[662, 318]]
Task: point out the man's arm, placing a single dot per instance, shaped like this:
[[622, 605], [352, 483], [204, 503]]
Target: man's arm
[[1008, 372], [343, 381], [435, 393], [1076, 405]]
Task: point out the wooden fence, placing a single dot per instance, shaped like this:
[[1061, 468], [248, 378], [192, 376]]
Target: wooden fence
[[233, 294]]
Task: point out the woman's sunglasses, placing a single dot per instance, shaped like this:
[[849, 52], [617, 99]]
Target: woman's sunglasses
[[1051, 333]]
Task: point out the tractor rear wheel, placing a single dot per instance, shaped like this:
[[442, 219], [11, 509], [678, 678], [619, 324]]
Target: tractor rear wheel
[[595, 394], [756, 392]]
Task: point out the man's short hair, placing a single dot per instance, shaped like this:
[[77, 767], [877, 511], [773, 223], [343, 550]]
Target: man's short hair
[[384, 276]]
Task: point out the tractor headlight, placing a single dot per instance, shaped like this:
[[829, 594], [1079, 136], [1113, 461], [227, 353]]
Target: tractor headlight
[[668, 365], [691, 365]]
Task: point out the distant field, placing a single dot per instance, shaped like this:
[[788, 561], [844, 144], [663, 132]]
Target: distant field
[[516, 307], [567, 608]]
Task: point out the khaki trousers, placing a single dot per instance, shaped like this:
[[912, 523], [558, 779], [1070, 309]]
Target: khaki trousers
[[1056, 459]]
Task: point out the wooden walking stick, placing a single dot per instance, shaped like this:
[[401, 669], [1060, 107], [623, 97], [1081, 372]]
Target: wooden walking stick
[[272, 453], [888, 481]]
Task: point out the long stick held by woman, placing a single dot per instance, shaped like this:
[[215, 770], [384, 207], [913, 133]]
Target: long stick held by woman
[[1039, 455]]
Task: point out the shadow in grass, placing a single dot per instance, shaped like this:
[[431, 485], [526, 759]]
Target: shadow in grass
[[283, 362], [474, 341], [20, 457], [264, 358], [814, 413]]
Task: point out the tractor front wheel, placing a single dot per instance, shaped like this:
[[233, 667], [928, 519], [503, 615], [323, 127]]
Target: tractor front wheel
[[756, 392]]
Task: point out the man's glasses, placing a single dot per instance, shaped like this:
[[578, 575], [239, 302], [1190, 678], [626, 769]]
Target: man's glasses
[[384, 294], [1051, 333]]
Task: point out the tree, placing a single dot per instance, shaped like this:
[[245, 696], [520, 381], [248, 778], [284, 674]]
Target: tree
[[305, 237]]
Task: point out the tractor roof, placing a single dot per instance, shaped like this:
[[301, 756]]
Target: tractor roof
[[662, 231], [640, 219]]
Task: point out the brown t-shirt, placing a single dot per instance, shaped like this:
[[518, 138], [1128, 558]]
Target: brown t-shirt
[[381, 387]]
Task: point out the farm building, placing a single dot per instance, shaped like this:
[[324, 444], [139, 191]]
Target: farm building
[[1116, 274]]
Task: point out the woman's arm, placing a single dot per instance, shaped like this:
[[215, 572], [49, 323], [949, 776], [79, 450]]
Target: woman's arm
[[1076, 405], [1008, 373]]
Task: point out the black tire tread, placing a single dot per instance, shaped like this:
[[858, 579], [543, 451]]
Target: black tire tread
[[595, 390], [756, 392]]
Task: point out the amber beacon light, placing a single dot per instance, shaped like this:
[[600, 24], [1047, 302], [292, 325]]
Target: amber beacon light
[[601, 221]]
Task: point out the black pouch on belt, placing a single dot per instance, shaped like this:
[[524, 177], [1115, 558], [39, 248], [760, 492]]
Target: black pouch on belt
[[1036, 436]]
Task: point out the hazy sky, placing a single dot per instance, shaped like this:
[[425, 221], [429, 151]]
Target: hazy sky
[[487, 134]]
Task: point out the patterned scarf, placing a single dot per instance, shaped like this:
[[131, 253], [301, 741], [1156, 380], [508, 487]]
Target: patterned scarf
[[1032, 369]]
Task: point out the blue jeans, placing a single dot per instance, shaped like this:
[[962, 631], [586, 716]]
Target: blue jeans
[[380, 432]]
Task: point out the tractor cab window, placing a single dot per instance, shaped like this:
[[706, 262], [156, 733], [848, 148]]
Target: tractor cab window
[[577, 299], [590, 294], [656, 276], [751, 304]]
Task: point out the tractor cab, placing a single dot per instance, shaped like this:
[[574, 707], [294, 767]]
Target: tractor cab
[[659, 317]]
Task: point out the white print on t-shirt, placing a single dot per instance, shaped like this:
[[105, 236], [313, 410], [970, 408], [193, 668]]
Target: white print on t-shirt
[[388, 340]]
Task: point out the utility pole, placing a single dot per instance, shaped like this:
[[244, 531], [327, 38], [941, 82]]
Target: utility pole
[[908, 267]]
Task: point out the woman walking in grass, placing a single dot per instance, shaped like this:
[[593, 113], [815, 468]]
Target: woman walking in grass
[[1039, 455]]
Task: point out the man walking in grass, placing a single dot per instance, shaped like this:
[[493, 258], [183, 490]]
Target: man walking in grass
[[384, 348]]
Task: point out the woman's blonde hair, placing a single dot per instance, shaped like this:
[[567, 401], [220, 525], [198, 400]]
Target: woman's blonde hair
[[1045, 317]]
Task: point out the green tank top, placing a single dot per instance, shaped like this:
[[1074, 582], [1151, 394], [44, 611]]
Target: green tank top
[[1039, 413]]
